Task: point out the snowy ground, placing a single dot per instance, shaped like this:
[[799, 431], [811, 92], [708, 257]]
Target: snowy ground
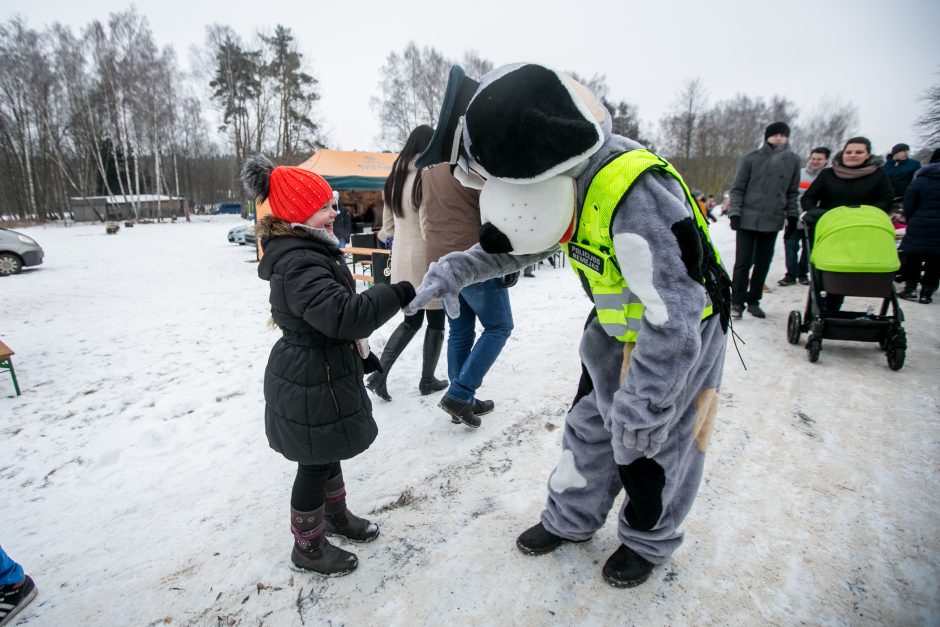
[[138, 488]]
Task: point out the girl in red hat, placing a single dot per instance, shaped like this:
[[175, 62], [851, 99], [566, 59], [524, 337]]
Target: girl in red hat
[[317, 411]]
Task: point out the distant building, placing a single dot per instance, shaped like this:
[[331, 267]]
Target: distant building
[[106, 208]]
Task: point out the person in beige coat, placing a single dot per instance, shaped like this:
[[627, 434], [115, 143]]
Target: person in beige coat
[[401, 225]]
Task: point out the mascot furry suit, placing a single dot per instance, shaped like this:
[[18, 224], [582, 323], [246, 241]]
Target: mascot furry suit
[[539, 147]]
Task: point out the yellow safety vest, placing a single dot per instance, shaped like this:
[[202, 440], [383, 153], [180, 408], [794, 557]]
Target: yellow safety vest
[[591, 247]]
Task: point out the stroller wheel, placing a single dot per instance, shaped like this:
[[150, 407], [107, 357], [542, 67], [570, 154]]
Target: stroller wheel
[[813, 347], [794, 327], [895, 357]]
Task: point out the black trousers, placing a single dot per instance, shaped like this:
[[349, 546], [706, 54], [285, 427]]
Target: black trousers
[[913, 262], [435, 319], [755, 249], [309, 490]]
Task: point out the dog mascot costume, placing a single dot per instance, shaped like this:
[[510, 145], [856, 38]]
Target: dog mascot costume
[[539, 147]]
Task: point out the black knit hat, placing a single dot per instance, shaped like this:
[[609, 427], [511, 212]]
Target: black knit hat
[[777, 128], [935, 157], [900, 148]]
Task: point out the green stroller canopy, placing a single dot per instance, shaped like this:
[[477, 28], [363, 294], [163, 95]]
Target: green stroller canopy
[[855, 239]]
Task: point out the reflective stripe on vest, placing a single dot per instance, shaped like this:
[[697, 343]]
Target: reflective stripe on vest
[[591, 248]]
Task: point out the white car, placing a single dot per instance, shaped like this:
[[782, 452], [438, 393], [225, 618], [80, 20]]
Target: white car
[[236, 234]]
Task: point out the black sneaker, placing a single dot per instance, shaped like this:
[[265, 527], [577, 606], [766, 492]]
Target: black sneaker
[[756, 311], [13, 598], [460, 412], [804, 280], [537, 540], [737, 311], [785, 281], [626, 568]]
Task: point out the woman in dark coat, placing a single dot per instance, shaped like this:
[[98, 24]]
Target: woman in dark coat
[[317, 411], [853, 179], [921, 243]]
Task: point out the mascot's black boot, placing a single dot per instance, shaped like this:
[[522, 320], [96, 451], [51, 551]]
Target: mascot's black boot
[[312, 551], [538, 540], [433, 341], [342, 522], [626, 568], [393, 348]]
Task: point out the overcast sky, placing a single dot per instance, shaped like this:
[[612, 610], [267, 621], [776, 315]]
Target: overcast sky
[[879, 55]]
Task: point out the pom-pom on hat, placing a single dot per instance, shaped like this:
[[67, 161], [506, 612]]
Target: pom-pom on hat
[[294, 194], [777, 128]]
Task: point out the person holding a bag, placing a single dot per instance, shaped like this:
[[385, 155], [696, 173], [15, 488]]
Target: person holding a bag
[[317, 411], [401, 221]]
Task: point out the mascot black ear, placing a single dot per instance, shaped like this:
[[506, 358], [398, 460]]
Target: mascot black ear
[[446, 137], [494, 241]]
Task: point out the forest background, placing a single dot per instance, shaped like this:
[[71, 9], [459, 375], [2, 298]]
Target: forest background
[[105, 110]]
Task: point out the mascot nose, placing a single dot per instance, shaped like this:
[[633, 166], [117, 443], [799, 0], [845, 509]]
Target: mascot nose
[[494, 241]]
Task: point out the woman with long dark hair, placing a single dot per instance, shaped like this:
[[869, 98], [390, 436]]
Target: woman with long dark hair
[[402, 221]]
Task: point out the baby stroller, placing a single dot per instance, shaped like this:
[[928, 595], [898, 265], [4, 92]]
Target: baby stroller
[[853, 254]]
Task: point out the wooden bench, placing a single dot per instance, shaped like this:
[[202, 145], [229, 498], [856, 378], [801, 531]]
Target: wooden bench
[[7, 364], [355, 250]]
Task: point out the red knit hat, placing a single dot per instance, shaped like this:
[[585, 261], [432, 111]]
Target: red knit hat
[[296, 194]]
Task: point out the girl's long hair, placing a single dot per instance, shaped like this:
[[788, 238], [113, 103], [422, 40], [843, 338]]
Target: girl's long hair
[[418, 140]]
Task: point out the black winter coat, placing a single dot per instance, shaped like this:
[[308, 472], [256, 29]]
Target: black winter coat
[[766, 188], [922, 210], [317, 410], [829, 191]]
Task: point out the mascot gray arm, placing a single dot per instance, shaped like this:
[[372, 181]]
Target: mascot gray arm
[[654, 238], [455, 271]]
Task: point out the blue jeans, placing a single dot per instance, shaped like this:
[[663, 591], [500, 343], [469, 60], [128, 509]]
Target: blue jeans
[[797, 264], [468, 362], [10, 571]]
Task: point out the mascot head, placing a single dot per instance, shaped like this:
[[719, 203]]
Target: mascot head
[[520, 135]]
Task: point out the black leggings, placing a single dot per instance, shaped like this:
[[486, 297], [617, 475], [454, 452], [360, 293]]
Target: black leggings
[[435, 319], [309, 491]]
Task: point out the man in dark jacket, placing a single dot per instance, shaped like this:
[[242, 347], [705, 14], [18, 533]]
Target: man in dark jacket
[[342, 226], [764, 197], [900, 169]]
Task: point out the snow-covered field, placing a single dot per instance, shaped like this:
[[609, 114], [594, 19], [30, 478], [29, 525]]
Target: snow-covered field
[[137, 487]]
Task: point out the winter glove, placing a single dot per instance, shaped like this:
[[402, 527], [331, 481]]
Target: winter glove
[[510, 279], [735, 222], [371, 364], [439, 282], [790, 228], [639, 427], [405, 292]]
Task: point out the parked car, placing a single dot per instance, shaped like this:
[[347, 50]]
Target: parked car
[[17, 251], [229, 207], [242, 234]]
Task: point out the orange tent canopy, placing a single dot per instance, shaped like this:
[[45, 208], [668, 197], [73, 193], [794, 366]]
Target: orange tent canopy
[[351, 169]]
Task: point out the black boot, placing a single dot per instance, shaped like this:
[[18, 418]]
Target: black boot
[[460, 412], [393, 348], [909, 292], [926, 296], [538, 540], [626, 568], [433, 341], [312, 551], [342, 522]]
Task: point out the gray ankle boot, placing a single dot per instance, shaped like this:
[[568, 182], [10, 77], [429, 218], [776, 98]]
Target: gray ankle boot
[[342, 522], [400, 338], [433, 341], [312, 551]]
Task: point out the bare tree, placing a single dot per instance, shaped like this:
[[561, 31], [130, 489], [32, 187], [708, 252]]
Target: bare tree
[[679, 126], [831, 123], [412, 90], [928, 124]]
